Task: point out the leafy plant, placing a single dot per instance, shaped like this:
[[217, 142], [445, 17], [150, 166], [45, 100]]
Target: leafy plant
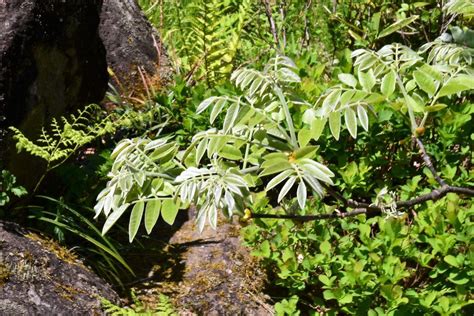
[[9, 187], [163, 308], [64, 139]]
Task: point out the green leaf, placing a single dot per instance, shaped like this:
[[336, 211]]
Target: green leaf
[[456, 85], [335, 124], [304, 136], [230, 152], [169, 210], [112, 218], [363, 117], [450, 259], [325, 247], [284, 190], [425, 82], [317, 127], [367, 80], [411, 103], [435, 108], [152, 212], [325, 280], [346, 299], [305, 152], [231, 116], [279, 166], [351, 122], [397, 26], [301, 194], [135, 220], [348, 79], [388, 84], [279, 178]]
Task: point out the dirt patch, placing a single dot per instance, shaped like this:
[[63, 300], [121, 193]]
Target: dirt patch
[[208, 273]]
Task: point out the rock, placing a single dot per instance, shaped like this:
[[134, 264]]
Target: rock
[[132, 42], [211, 273], [38, 277], [52, 61]]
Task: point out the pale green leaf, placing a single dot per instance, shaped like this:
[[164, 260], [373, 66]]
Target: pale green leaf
[[301, 194], [335, 124], [278, 179], [284, 190], [112, 218], [351, 121], [388, 84], [363, 117], [169, 210], [367, 80], [135, 220], [152, 212], [397, 26], [458, 84], [425, 82], [348, 79]]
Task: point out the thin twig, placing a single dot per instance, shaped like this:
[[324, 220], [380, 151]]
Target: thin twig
[[268, 12], [428, 163]]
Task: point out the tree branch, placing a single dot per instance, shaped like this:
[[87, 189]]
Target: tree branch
[[368, 209], [428, 163]]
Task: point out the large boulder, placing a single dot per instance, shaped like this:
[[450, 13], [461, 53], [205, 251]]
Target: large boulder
[[132, 42], [52, 60], [37, 277]]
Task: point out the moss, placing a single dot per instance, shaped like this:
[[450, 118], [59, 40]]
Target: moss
[[62, 253], [5, 273]]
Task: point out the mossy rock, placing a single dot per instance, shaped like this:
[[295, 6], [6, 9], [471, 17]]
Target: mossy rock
[[38, 277]]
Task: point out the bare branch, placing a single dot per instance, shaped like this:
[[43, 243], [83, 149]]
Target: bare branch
[[365, 208], [268, 12], [428, 163]]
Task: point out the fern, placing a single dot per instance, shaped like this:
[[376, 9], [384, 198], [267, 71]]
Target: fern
[[65, 136], [163, 308], [204, 36]]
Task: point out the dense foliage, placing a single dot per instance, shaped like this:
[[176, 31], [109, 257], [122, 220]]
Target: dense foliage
[[341, 129]]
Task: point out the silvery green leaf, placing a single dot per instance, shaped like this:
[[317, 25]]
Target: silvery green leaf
[[135, 220], [367, 80], [363, 117], [314, 184], [348, 79], [217, 108], [169, 210], [234, 189], [316, 172], [255, 85], [358, 52], [124, 144], [284, 190], [331, 101], [202, 217], [212, 215], [351, 121], [388, 84], [152, 212], [112, 218], [279, 178], [308, 116], [154, 144], [200, 150], [301, 194], [317, 127], [205, 104], [288, 75], [335, 124], [231, 116], [217, 194], [346, 97], [318, 165], [229, 201]]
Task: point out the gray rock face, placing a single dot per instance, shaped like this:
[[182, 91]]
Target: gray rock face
[[37, 277], [52, 60], [131, 41]]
